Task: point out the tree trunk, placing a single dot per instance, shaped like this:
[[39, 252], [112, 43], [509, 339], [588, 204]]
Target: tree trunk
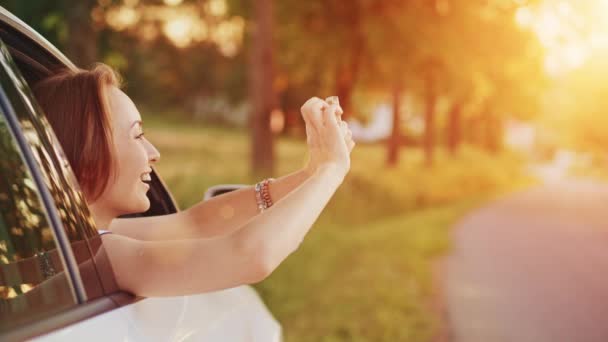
[[493, 133], [344, 89], [474, 132], [82, 39], [394, 141], [429, 123], [347, 72], [454, 128], [262, 96]]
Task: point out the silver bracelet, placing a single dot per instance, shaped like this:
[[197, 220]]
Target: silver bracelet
[[262, 194], [258, 197]]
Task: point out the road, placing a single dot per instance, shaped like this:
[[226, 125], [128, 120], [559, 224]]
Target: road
[[531, 267]]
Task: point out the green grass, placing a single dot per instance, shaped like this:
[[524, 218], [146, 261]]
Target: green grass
[[363, 273], [369, 282]]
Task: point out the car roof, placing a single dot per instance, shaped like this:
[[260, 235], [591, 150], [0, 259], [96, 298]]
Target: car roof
[[11, 20]]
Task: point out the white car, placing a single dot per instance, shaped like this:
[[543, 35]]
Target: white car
[[55, 280]]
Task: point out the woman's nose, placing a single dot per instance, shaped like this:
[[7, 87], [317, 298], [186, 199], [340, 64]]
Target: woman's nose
[[153, 154]]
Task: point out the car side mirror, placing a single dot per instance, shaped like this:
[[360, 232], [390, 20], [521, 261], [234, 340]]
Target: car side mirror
[[217, 190]]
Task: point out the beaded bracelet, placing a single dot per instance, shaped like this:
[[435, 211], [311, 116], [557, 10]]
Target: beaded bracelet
[[262, 194]]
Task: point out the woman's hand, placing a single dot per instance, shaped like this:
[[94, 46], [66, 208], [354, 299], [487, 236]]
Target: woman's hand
[[328, 137]]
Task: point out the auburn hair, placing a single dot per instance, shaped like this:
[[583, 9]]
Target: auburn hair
[[76, 105]]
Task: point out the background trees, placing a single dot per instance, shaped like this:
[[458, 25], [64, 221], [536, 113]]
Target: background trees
[[460, 67]]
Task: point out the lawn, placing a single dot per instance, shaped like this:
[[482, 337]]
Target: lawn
[[364, 271]]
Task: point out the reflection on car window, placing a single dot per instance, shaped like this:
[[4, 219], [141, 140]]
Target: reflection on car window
[[61, 183], [32, 282]]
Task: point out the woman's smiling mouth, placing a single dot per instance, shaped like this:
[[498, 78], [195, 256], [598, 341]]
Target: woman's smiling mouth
[[146, 178]]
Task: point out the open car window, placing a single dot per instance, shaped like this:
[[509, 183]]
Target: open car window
[[28, 250], [52, 242]]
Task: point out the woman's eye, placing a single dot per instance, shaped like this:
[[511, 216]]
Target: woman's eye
[[139, 136]]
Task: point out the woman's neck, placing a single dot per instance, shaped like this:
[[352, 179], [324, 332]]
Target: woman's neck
[[102, 217]]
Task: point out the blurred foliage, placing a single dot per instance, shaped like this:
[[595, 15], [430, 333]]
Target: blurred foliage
[[472, 49]]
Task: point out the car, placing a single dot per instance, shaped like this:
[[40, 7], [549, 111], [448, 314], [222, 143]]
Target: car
[[56, 283]]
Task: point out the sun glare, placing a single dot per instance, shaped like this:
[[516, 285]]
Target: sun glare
[[172, 2], [122, 17], [178, 30], [217, 8], [570, 31], [524, 17], [183, 24]]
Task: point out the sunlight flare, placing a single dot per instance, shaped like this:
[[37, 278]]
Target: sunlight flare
[[570, 31]]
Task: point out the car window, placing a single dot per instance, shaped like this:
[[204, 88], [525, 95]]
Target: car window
[[28, 252], [97, 277]]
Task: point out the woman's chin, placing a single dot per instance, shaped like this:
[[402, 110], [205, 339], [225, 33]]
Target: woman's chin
[[140, 205], [144, 205]]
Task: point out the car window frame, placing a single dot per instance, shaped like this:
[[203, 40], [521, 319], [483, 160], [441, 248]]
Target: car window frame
[[83, 308]]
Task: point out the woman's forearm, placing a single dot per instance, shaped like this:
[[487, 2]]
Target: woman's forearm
[[228, 212], [250, 254], [215, 217], [278, 231]]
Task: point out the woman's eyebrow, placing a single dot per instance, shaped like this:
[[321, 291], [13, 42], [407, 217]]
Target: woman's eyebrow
[[137, 122]]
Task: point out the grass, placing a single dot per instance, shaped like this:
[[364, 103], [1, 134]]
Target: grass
[[364, 271], [362, 283]]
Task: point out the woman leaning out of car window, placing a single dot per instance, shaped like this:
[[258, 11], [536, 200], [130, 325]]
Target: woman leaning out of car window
[[233, 239]]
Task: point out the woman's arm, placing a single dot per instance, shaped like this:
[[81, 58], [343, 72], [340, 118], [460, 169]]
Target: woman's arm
[[220, 215], [248, 255], [223, 214], [182, 267]]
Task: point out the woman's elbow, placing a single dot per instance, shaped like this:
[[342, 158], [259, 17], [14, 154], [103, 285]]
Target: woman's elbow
[[261, 262]]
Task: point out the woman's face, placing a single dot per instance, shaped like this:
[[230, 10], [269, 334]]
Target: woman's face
[[133, 157]]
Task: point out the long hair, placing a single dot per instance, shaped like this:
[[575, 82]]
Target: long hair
[[76, 105]]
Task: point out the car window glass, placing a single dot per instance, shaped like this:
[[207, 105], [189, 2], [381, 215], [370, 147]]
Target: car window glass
[[59, 178], [32, 282]]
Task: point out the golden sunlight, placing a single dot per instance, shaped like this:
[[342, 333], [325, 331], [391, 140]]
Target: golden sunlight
[[228, 35], [217, 8], [183, 29], [570, 31], [178, 31], [122, 17], [172, 2]]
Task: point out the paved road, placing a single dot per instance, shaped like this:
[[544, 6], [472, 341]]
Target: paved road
[[532, 267]]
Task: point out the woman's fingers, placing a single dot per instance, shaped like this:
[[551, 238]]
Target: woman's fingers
[[340, 112], [330, 119], [350, 144], [312, 111], [348, 136], [343, 127]]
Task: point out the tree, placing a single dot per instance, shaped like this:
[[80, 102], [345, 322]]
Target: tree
[[390, 58], [489, 67], [262, 94], [81, 45]]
